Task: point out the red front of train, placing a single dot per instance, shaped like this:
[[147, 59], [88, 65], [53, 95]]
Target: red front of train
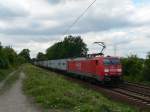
[[100, 68]]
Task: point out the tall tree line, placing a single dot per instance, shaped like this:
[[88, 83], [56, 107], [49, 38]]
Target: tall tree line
[[9, 57], [70, 47], [136, 69]]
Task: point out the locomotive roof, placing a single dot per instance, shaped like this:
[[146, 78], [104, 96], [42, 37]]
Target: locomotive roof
[[93, 58], [84, 58]]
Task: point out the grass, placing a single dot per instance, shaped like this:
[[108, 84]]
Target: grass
[[136, 80], [4, 73], [13, 78], [54, 93], [10, 81]]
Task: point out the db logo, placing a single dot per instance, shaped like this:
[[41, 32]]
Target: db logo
[[78, 66]]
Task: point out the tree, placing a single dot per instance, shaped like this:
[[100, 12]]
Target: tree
[[25, 53], [74, 47], [132, 67], [55, 51], [68, 48], [0, 46], [41, 56], [20, 60], [146, 71], [7, 56], [10, 54]]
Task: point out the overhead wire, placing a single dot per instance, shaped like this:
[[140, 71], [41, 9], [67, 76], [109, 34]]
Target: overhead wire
[[78, 18]]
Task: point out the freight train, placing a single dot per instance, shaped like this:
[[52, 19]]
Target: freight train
[[101, 68]]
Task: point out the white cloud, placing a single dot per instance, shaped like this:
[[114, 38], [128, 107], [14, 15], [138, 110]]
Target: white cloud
[[37, 24]]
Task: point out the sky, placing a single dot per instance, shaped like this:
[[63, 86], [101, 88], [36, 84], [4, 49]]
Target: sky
[[123, 25]]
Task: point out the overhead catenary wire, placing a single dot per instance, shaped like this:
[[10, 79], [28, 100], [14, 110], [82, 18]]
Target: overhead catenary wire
[[78, 18]]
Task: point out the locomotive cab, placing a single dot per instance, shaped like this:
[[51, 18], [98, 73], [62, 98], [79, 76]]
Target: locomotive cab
[[108, 68], [112, 68]]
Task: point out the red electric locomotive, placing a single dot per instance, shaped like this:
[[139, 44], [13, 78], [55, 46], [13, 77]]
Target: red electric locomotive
[[101, 68]]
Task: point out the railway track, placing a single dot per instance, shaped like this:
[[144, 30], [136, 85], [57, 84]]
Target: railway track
[[139, 98], [138, 89], [135, 92]]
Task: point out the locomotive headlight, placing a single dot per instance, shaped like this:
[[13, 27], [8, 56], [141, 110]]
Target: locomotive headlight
[[106, 70], [119, 70]]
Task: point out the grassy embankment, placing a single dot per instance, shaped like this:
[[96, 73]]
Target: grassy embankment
[[4, 73], [54, 93], [10, 80]]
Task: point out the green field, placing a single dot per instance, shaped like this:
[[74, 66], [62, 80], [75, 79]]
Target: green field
[[53, 92]]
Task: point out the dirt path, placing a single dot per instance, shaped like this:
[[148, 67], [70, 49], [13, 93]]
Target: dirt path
[[15, 101]]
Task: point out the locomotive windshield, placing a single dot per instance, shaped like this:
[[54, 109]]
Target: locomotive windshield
[[111, 61], [107, 62]]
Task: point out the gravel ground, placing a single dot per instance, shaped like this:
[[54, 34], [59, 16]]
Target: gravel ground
[[15, 101]]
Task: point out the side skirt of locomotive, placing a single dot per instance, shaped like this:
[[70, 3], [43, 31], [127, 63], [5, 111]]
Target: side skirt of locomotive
[[92, 77]]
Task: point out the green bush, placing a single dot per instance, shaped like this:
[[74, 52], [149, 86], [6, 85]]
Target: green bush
[[4, 63], [146, 72], [132, 67], [136, 69]]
